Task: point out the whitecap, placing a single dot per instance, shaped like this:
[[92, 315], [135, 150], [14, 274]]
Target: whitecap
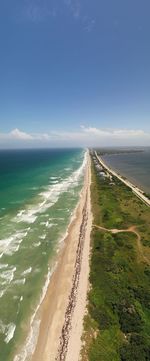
[[27, 217], [21, 212], [20, 281], [2, 292], [3, 265], [51, 225], [9, 330], [51, 195], [47, 224], [43, 223], [2, 327], [36, 244], [44, 215], [8, 275], [55, 181], [43, 236], [11, 244], [30, 344], [27, 271], [15, 297]]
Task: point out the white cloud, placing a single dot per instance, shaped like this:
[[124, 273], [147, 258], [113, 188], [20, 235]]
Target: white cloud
[[85, 136], [40, 10], [17, 134], [115, 133]]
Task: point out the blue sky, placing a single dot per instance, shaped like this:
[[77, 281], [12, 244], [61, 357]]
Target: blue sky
[[74, 72]]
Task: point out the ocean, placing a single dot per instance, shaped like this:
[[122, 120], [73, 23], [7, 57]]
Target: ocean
[[134, 166], [39, 190]]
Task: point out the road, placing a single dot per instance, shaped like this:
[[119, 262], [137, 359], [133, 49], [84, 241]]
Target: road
[[135, 189]]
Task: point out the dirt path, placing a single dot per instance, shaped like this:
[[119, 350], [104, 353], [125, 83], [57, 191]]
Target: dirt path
[[131, 229]]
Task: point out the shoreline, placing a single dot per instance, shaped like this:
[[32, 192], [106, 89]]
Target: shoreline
[[62, 299], [126, 175], [24, 351], [136, 190]]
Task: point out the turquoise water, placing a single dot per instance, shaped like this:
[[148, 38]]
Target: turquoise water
[[134, 166], [39, 190]]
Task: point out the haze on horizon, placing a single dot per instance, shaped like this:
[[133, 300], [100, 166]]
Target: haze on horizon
[[74, 73]]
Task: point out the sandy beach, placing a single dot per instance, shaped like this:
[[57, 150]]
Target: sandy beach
[[63, 308]]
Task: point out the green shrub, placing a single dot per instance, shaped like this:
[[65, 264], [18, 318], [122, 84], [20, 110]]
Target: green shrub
[[129, 319], [137, 348]]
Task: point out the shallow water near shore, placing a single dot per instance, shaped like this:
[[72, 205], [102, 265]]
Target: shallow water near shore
[[38, 191], [134, 166]]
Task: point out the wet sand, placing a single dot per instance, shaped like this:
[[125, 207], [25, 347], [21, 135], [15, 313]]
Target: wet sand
[[63, 308]]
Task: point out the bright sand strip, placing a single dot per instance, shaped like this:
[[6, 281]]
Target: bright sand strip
[[68, 289]]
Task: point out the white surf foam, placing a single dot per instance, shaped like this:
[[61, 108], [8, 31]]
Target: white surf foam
[[2, 327], [44, 215], [10, 330], [51, 195], [49, 198], [30, 344], [43, 223], [3, 265], [2, 292], [8, 276], [11, 244], [36, 244], [26, 217], [27, 271], [20, 281], [50, 225], [55, 181], [43, 236], [15, 297]]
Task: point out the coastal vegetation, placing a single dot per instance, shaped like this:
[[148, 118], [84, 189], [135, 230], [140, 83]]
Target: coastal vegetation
[[120, 150], [117, 325]]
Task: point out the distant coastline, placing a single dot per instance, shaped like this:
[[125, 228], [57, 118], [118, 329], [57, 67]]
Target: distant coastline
[[123, 150], [133, 165], [136, 190]]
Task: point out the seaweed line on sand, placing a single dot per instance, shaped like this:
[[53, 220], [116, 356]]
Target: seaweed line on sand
[[65, 333]]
